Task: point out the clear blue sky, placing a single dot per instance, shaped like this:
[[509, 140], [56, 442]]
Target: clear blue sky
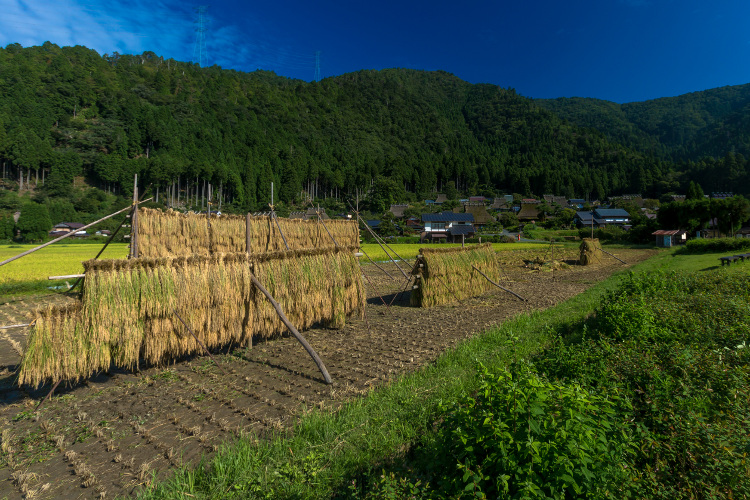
[[619, 50]]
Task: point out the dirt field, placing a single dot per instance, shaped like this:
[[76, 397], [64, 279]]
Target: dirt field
[[120, 431]]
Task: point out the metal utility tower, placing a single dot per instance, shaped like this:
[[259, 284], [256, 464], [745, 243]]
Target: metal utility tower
[[200, 55], [317, 66]]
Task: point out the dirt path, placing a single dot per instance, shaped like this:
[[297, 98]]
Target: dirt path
[[120, 431]]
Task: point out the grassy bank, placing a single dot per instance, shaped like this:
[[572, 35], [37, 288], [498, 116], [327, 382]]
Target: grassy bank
[[326, 453]]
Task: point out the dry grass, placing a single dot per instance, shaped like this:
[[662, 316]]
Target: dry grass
[[173, 234], [447, 274], [127, 308], [590, 252]]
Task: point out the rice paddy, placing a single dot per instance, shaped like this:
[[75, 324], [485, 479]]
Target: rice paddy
[[54, 260]]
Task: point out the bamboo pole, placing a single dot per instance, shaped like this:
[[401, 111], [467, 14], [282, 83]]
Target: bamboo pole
[[292, 329], [134, 222], [326, 228], [381, 246], [376, 264], [106, 244], [604, 251], [502, 288], [67, 235], [276, 219], [14, 326], [199, 341]]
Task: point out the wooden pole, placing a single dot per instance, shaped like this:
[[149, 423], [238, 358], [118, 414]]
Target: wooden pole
[[14, 326], [199, 341], [247, 232], [67, 235], [604, 251], [381, 246], [276, 219], [326, 228], [376, 264], [292, 329], [134, 222], [106, 244], [500, 287]]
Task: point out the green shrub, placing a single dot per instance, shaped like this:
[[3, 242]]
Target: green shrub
[[717, 245], [676, 346], [522, 436]]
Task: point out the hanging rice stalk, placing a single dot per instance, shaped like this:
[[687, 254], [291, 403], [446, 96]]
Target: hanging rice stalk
[[126, 311], [590, 252], [172, 234], [447, 274]]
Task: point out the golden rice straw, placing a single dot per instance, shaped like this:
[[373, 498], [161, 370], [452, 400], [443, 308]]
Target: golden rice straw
[[126, 313], [447, 274], [173, 234], [590, 252]]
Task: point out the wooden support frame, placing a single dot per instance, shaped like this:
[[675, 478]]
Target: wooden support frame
[[293, 330], [500, 287]]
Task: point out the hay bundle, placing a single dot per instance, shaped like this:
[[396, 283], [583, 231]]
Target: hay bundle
[[127, 309], [447, 274], [173, 234], [57, 348], [590, 252]]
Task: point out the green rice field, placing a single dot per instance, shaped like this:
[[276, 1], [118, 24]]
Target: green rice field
[[30, 273]]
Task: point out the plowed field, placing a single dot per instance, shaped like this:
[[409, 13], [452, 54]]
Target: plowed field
[[121, 431]]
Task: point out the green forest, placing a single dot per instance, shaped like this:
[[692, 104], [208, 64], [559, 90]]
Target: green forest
[[75, 126]]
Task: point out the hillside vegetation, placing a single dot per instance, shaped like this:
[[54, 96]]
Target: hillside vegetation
[[68, 112]]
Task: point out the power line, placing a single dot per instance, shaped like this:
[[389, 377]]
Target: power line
[[199, 50]]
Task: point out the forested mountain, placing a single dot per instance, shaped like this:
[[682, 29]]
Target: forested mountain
[[687, 127], [69, 113]]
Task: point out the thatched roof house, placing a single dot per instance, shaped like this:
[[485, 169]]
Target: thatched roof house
[[529, 212], [481, 216], [398, 210]]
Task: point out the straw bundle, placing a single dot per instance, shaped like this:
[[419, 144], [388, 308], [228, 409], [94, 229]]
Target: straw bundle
[[447, 274], [172, 234], [127, 308], [590, 252], [57, 349]]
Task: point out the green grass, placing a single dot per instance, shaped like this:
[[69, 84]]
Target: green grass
[[327, 450], [29, 274], [409, 251], [675, 259]]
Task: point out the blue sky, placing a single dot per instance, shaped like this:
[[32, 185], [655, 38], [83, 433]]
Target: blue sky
[[619, 50]]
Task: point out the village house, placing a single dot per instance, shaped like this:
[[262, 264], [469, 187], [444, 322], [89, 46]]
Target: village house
[[443, 226], [398, 210], [529, 212], [602, 217], [64, 228]]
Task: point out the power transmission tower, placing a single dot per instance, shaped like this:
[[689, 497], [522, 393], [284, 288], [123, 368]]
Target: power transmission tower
[[317, 66], [200, 55]]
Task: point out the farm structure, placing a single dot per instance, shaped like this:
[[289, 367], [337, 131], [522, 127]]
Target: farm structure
[[197, 286]]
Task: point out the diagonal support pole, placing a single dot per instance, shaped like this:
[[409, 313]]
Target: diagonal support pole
[[293, 330], [500, 287], [199, 341]]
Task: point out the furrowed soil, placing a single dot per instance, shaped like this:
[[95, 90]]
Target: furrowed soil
[[121, 431]]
